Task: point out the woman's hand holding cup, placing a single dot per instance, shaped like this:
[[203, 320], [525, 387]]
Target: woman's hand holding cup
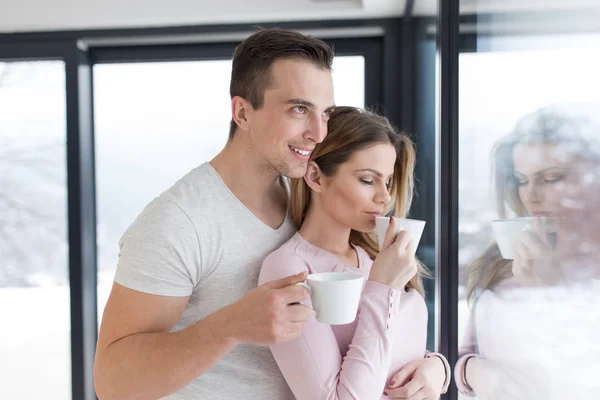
[[535, 261], [395, 265]]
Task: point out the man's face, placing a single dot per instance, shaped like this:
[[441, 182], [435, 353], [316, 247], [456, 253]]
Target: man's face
[[293, 118]]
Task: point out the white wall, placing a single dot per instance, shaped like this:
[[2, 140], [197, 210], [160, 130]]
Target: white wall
[[51, 15], [429, 7], [44, 15]]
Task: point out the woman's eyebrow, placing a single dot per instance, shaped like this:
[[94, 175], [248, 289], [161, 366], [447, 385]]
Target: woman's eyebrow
[[379, 174]]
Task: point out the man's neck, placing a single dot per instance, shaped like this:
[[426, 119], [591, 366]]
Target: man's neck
[[245, 174]]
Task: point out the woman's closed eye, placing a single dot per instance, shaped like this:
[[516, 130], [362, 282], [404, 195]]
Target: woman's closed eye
[[371, 182], [552, 179], [545, 181]]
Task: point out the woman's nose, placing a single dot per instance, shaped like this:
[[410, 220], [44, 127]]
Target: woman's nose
[[533, 193], [383, 196]]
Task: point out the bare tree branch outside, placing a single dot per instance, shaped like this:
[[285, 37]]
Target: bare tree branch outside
[[32, 189]]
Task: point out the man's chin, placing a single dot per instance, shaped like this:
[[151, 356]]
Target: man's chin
[[294, 172]]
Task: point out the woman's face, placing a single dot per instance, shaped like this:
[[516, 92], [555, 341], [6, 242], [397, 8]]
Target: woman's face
[[552, 182], [359, 191]]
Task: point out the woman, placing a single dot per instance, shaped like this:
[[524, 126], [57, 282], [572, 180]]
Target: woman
[[517, 344], [363, 169]]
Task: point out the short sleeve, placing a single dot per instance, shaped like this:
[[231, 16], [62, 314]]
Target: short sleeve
[[160, 253]]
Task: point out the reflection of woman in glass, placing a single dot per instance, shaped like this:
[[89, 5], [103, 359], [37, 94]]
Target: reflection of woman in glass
[[362, 169], [517, 344]]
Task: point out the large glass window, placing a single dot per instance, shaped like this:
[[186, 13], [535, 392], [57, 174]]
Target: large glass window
[[154, 122], [528, 213], [35, 356]]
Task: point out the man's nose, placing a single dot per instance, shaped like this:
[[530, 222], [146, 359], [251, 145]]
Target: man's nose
[[317, 129]]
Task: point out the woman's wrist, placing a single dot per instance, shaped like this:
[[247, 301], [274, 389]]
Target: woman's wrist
[[446, 368]]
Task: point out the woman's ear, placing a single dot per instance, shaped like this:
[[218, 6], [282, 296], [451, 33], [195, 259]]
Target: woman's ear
[[314, 177]]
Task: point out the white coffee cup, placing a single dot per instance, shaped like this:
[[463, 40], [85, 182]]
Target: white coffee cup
[[413, 226], [507, 232], [335, 296]]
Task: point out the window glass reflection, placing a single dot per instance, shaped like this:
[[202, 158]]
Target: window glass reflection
[[528, 218]]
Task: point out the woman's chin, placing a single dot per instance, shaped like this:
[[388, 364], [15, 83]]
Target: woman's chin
[[368, 227]]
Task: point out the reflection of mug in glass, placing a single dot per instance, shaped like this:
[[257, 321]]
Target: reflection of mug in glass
[[413, 226], [507, 232], [335, 296]]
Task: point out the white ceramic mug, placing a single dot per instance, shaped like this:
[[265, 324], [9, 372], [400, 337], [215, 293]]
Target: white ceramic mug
[[335, 296], [507, 232], [413, 226]]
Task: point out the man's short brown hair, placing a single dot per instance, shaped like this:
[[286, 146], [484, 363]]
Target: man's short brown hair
[[252, 60]]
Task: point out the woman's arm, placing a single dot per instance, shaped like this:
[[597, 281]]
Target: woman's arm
[[313, 365]]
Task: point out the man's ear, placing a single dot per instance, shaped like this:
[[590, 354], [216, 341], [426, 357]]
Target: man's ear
[[240, 110], [314, 178]]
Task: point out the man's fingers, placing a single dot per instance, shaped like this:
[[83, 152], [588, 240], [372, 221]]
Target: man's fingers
[[287, 281], [299, 313], [293, 330], [293, 294]]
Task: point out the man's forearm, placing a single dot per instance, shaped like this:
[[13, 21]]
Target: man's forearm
[[153, 365]]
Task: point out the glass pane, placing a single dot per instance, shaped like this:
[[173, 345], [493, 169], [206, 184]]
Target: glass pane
[[424, 133], [35, 355], [147, 118], [528, 210]]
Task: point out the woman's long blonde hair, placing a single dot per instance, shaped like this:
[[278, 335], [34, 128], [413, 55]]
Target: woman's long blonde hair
[[350, 130], [548, 125]]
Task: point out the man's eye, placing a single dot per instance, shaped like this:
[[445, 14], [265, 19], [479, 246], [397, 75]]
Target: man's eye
[[300, 109]]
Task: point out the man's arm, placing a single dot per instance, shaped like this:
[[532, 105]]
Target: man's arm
[[139, 358]]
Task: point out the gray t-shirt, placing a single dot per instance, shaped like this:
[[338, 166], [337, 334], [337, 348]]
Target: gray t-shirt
[[197, 239]]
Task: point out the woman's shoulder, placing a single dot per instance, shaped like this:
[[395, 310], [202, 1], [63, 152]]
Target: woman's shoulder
[[285, 261]]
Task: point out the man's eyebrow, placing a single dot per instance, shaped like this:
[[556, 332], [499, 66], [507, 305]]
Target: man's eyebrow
[[308, 104], [301, 102]]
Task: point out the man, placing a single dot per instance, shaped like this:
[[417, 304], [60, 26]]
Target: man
[[184, 317]]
